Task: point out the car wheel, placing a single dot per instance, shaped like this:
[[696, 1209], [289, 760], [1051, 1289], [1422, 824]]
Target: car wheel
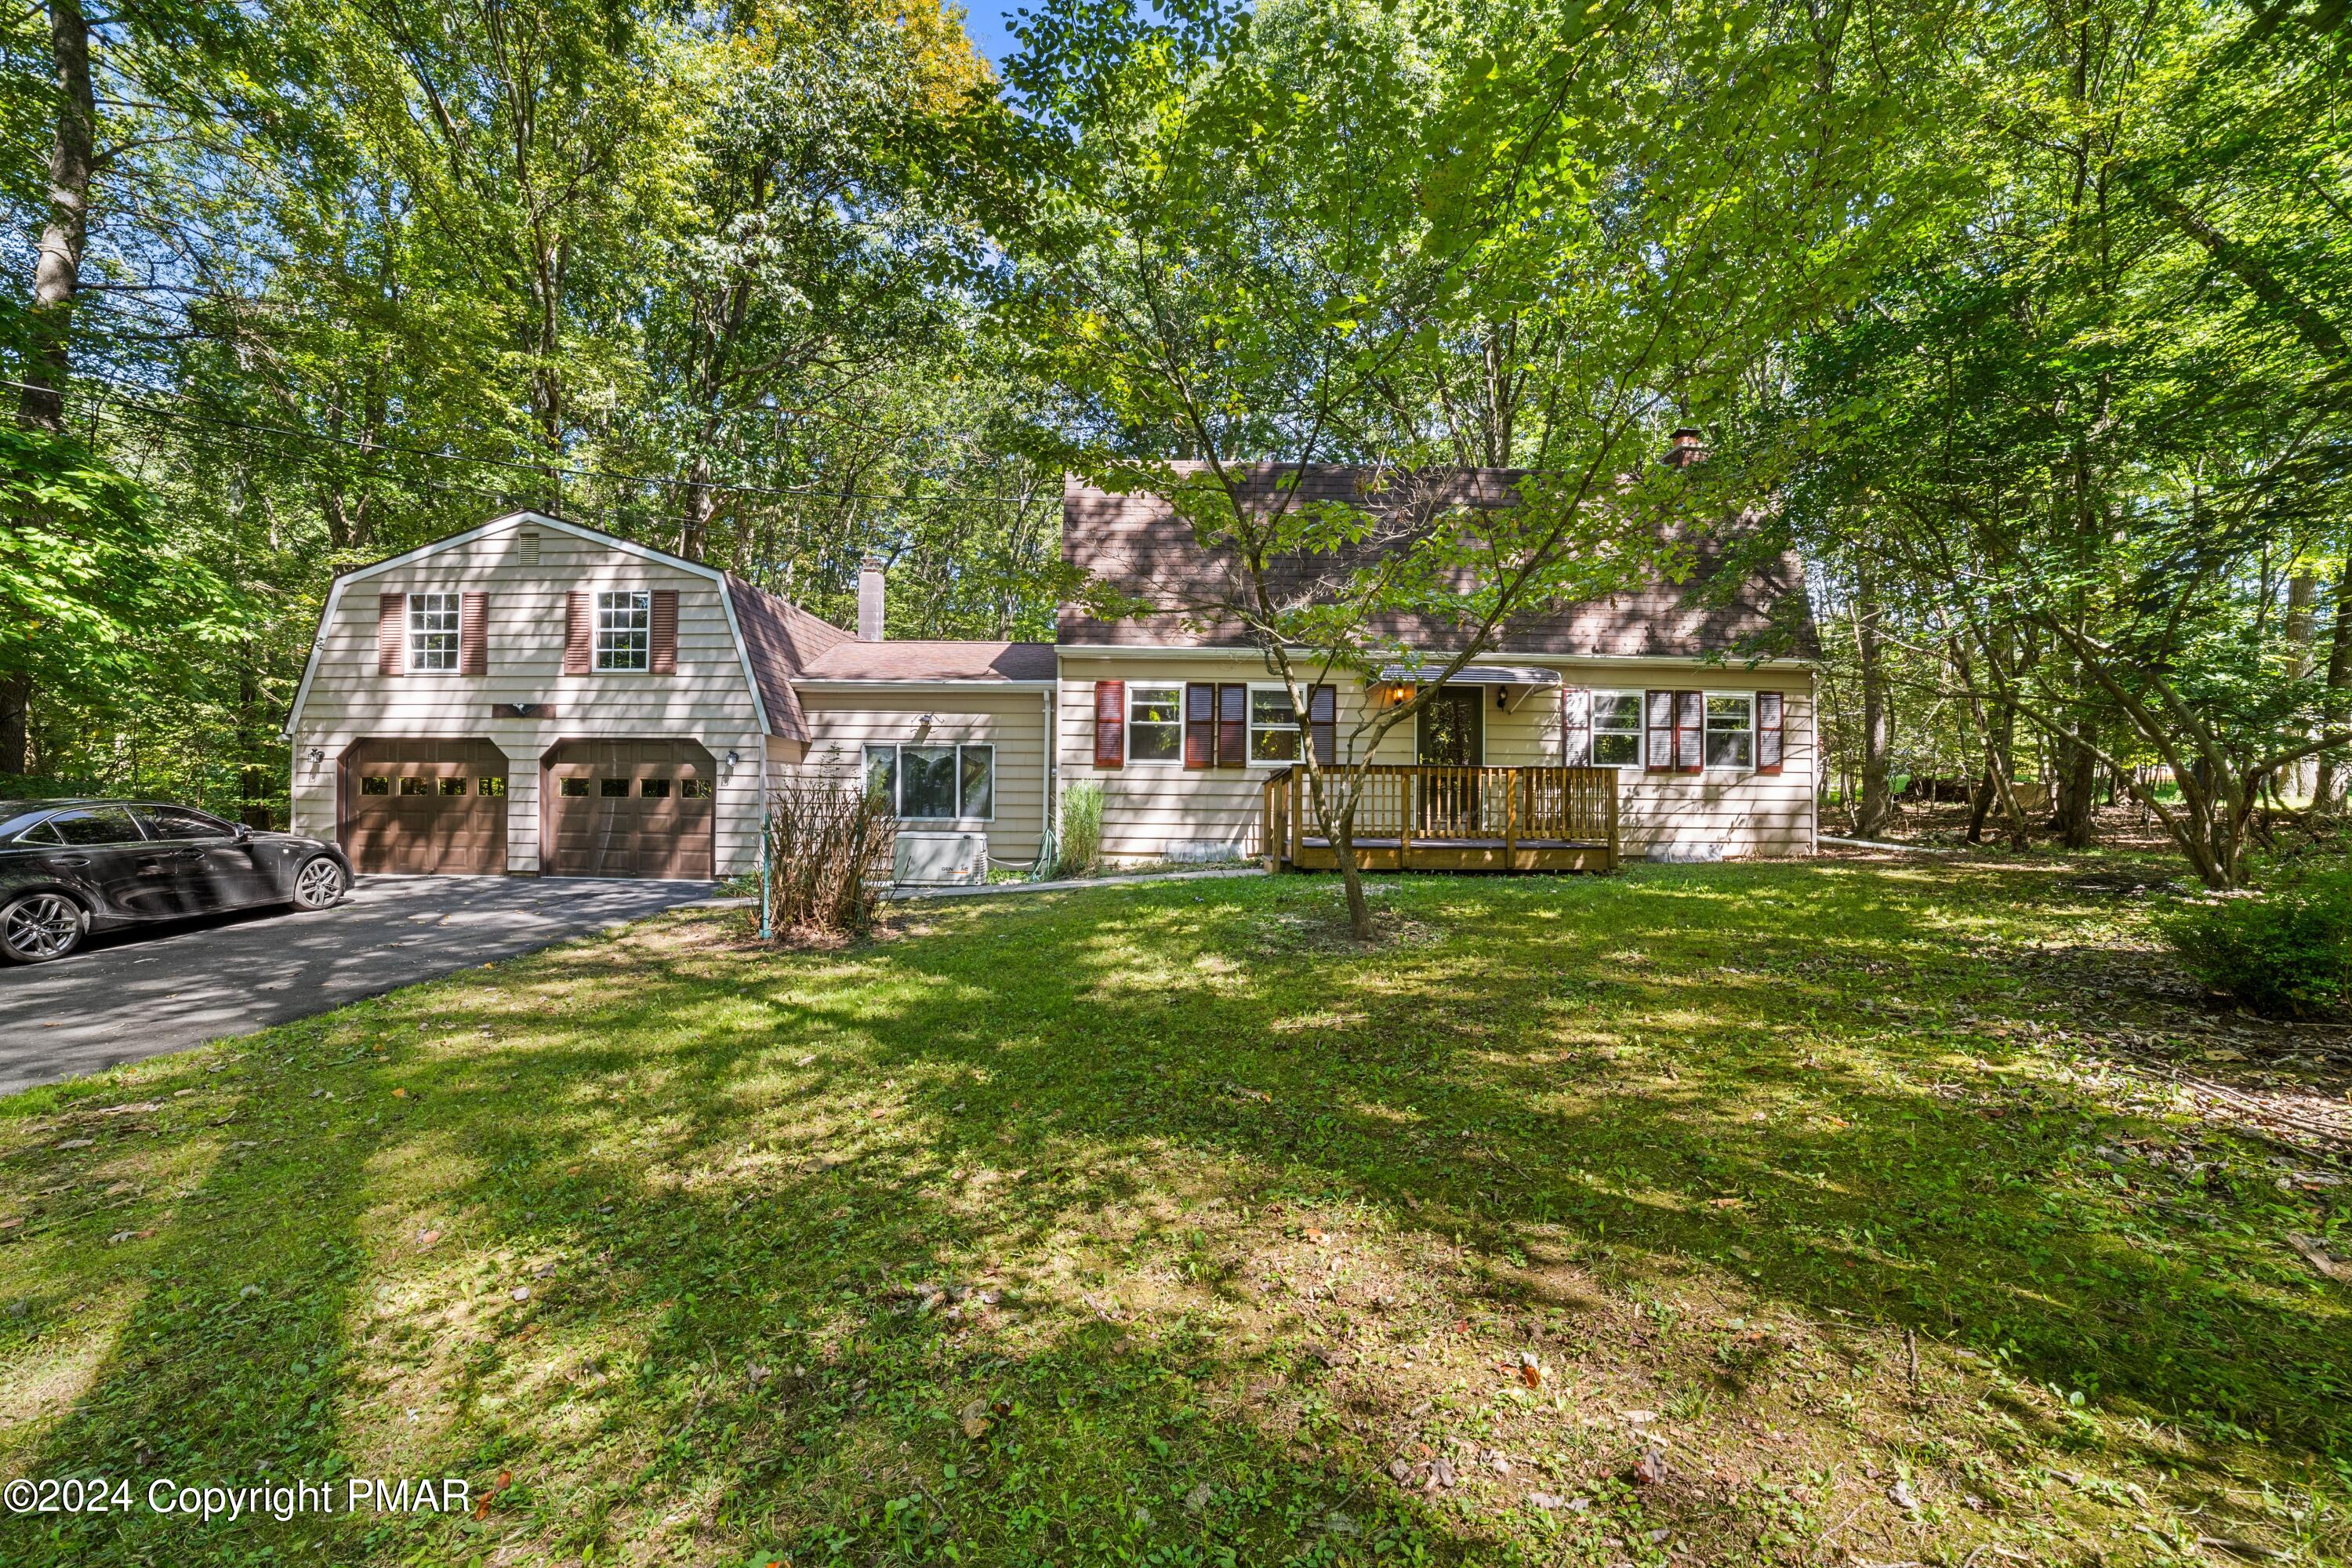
[[40, 927], [318, 884]]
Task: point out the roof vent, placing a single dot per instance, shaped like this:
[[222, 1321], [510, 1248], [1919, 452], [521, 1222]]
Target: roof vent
[[526, 547]]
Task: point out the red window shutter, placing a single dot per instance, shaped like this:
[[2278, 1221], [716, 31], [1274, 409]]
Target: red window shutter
[[579, 635], [663, 658], [1658, 719], [1575, 726], [1232, 726], [1110, 724], [1690, 731], [1769, 713], [392, 634], [1323, 723], [1200, 724], [473, 634]]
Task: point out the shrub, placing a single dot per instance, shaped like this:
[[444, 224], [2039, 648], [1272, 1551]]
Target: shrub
[[830, 845], [1082, 815], [2287, 953]]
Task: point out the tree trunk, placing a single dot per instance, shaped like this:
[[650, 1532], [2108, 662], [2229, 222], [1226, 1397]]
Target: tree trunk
[[1877, 720], [2301, 592], [2327, 785], [2072, 792], [694, 526], [41, 401], [15, 714]]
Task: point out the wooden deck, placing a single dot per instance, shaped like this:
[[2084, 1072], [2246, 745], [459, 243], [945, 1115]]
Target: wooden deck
[[1427, 818]]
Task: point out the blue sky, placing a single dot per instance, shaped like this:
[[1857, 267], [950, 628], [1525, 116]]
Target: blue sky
[[988, 24]]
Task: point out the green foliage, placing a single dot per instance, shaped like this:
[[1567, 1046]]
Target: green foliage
[[95, 592], [2286, 952], [1078, 847]]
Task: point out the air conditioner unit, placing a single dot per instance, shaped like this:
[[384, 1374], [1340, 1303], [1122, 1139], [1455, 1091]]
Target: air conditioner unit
[[941, 859]]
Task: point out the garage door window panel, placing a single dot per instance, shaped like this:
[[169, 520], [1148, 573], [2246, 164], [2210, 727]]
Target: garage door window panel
[[624, 636], [654, 789]]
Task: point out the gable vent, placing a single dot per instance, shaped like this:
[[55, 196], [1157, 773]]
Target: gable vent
[[526, 546]]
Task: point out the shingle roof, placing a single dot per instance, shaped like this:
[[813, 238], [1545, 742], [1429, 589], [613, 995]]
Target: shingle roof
[[914, 660], [1136, 546], [781, 637]]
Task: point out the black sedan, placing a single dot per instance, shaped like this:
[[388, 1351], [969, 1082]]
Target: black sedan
[[71, 867]]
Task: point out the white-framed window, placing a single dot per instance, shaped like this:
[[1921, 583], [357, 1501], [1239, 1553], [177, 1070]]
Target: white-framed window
[[1616, 729], [942, 783], [1731, 730], [1155, 724], [625, 630], [1273, 726], [433, 632]]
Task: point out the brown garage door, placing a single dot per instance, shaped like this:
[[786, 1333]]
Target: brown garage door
[[629, 808], [426, 806]]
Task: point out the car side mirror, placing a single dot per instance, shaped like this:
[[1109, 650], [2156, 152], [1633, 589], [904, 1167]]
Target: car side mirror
[[243, 834]]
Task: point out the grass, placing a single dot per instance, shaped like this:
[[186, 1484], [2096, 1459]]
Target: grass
[[1155, 1225]]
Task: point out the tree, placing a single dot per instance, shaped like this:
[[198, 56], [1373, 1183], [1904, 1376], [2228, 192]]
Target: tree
[[1326, 233]]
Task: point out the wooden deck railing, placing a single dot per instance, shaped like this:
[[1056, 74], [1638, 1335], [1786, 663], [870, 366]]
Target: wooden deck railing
[[1426, 818]]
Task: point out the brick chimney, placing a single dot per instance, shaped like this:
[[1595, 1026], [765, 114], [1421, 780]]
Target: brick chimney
[[1685, 448], [869, 599]]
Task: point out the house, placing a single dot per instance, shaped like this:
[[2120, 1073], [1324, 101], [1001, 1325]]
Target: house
[[534, 697]]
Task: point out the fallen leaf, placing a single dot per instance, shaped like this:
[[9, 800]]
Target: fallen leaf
[[1901, 1495], [1531, 1375], [1651, 1469], [400, 1094], [427, 1237], [1197, 1498], [974, 1420]]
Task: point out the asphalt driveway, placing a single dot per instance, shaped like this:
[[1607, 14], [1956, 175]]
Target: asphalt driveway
[[143, 992]]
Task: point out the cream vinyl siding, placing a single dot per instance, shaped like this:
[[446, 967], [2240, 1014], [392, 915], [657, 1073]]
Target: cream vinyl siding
[[1747, 813], [1152, 809], [842, 723], [705, 700]]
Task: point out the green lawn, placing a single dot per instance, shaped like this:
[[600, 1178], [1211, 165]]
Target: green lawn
[[1157, 1224]]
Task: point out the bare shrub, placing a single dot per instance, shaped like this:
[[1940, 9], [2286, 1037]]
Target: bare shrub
[[830, 844]]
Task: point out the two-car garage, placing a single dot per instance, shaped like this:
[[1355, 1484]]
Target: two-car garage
[[439, 805]]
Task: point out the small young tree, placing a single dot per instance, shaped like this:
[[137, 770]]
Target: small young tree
[[1425, 244]]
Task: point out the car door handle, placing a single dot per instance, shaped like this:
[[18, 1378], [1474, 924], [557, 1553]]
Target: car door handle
[[73, 859]]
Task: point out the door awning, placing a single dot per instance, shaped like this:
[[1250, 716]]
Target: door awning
[[1477, 674]]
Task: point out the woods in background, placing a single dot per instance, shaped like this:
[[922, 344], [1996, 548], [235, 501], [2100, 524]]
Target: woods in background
[[2024, 323]]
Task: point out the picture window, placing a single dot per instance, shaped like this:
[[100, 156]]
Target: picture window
[[934, 783]]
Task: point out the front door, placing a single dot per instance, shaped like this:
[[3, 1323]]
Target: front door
[[1452, 735]]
